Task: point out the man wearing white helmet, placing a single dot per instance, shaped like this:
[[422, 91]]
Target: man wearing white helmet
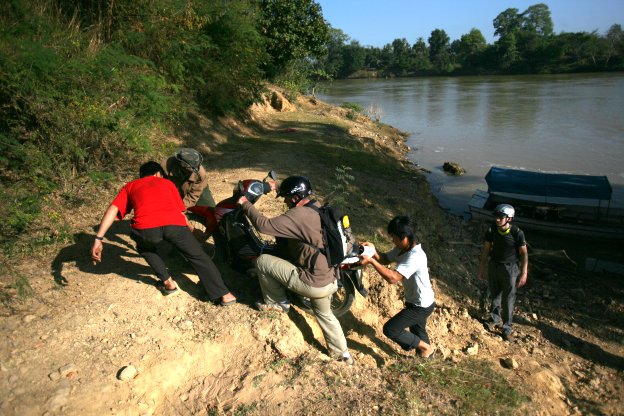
[[505, 247]]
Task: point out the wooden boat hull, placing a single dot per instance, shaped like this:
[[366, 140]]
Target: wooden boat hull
[[481, 206]]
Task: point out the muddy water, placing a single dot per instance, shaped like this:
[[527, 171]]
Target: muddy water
[[552, 123]]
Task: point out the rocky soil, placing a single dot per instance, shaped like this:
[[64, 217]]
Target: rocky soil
[[94, 340]]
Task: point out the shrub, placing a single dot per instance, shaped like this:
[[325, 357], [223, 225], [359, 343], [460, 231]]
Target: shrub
[[352, 106]]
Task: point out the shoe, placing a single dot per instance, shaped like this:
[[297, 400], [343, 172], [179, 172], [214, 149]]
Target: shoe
[[508, 336], [267, 307], [167, 292], [348, 360], [492, 327]]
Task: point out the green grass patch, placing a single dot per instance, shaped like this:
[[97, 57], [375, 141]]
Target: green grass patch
[[18, 289], [278, 363], [352, 106], [22, 286], [472, 385], [245, 409], [354, 110]]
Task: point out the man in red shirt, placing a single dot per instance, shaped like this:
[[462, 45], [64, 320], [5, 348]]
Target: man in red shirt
[[158, 215]]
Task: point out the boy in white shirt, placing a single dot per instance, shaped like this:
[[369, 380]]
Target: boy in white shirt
[[411, 270]]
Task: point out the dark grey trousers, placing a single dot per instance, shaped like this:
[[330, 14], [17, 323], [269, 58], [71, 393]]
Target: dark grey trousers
[[182, 239], [412, 317], [502, 279]]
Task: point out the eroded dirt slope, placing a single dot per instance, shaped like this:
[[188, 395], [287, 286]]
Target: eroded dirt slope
[[64, 348]]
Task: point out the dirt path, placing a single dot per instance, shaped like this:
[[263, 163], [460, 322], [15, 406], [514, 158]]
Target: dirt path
[[67, 345]]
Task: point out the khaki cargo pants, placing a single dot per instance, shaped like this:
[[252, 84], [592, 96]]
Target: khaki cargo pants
[[276, 275]]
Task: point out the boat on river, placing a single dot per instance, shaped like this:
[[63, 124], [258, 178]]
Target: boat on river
[[576, 205]]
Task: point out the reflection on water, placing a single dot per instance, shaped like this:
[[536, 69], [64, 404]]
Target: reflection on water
[[552, 123]]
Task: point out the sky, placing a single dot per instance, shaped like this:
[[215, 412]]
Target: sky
[[379, 22]]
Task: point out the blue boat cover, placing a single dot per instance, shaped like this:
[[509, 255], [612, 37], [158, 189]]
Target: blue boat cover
[[560, 185]]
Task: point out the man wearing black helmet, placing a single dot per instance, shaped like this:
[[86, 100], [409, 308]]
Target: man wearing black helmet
[[185, 170], [505, 246], [306, 272]]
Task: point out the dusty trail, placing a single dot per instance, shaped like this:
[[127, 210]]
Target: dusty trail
[[64, 347]]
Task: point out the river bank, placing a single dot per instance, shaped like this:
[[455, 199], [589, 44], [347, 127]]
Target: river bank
[[66, 344]]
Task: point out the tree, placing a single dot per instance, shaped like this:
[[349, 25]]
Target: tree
[[472, 43], [615, 40], [401, 60], [469, 48], [439, 50], [420, 52], [227, 57], [372, 58], [293, 29], [506, 23], [615, 35], [577, 51], [385, 56], [523, 41], [507, 50], [536, 19], [353, 58], [333, 61]]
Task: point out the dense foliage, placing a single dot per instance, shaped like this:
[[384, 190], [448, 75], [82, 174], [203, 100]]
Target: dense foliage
[[294, 30], [526, 44], [88, 87]]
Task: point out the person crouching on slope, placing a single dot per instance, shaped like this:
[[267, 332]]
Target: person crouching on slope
[[411, 270], [306, 272], [158, 215]]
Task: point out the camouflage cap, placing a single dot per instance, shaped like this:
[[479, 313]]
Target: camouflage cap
[[189, 159]]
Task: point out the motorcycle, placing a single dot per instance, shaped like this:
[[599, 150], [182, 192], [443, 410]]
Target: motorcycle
[[230, 235]]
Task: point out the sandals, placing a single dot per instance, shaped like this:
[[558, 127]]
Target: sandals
[[228, 303], [167, 292]]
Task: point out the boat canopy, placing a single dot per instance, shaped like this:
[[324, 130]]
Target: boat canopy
[[558, 185]]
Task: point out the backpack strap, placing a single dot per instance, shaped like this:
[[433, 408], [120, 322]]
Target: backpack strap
[[318, 249]]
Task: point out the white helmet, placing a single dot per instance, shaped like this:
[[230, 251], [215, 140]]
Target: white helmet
[[504, 210]]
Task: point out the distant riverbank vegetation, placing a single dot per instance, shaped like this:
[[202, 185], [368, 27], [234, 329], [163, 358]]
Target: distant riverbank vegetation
[[526, 44]]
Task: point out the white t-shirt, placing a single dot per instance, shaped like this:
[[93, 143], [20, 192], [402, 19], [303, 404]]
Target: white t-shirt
[[412, 265]]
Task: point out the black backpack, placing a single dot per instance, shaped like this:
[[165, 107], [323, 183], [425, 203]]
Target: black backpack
[[337, 234]]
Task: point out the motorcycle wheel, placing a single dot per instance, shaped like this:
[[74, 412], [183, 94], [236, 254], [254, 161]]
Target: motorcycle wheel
[[206, 240], [341, 300]]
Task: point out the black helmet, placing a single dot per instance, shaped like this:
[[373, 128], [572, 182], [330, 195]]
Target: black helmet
[[190, 159], [295, 185]]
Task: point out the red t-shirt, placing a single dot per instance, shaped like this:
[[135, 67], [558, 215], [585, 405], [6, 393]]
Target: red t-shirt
[[156, 203]]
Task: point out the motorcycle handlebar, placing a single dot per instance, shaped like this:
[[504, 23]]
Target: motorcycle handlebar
[[252, 189]]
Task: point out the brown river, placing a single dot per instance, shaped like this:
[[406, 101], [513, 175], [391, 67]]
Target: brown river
[[550, 123]]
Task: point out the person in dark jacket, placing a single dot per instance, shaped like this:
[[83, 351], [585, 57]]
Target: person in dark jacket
[[307, 271], [505, 247]]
